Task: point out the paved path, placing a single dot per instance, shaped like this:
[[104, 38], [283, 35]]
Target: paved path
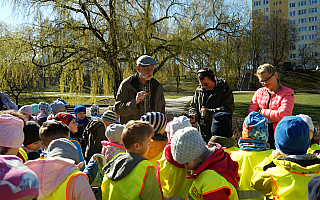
[[178, 105]]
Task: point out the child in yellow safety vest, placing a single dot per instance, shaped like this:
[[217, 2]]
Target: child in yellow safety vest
[[214, 173], [287, 176], [254, 149], [130, 175], [59, 174]]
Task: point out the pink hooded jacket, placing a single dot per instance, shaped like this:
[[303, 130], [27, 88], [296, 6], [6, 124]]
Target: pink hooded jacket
[[52, 172], [276, 106]]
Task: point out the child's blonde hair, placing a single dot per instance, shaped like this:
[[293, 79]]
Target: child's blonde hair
[[51, 130], [136, 131]]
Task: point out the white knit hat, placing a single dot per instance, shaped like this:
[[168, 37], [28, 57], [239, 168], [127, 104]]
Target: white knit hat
[[187, 145], [307, 120], [179, 123]]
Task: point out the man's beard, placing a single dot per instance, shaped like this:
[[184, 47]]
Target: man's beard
[[147, 77]]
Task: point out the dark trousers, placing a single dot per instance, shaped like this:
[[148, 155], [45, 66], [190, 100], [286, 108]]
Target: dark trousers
[[271, 136]]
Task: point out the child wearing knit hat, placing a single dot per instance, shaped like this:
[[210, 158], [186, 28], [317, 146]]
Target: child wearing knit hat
[[62, 175], [254, 149], [94, 111], [94, 133], [26, 111], [17, 181], [82, 120], [214, 173], [314, 145], [287, 176], [114, 145], [32, 141], [130, 175], [159, 140], [45, 111], [170, 174]]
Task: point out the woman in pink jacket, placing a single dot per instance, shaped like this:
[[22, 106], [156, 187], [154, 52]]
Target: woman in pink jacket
[[273, 101]]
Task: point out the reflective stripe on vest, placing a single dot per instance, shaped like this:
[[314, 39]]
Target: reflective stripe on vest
[[204, 184], [290, 185], [172, 176], [129, 187], [23, 154], [61, 193]]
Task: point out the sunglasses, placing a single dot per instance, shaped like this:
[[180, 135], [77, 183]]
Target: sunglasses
[[265, 80]]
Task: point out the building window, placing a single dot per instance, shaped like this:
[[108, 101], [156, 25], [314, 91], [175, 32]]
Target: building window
[[302, 3], [302, 46], [292, 47], [304, 37], [292, 21], [275, 3], [292, 5], [301, 29], [266, 58], [312, 45], [266, 10], [312, 19], [302, 12], [280, 10], [304, 20], [293, 13], [312, 1], [293, 39], [312, 28], [311, 37], [258, 3], [275, 11], [280, 2], [265, 1], [312, 10], [292, 56]]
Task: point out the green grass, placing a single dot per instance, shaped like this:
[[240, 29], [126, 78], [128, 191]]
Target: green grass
[[305, 103]]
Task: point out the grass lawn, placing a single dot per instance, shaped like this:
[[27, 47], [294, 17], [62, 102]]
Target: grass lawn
[[305, 103]]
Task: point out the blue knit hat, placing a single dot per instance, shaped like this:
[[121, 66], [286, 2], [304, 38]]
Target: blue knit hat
[[34, 108], [64, 102], [292, 136], [79, 108]]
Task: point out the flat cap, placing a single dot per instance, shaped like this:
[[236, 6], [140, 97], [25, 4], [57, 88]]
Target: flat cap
[[145, 61]]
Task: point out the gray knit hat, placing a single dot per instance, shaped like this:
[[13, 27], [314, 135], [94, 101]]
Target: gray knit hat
[[56, 106], [109, 116], [63, 148], [114, 131], [156, 119], [187, 145]]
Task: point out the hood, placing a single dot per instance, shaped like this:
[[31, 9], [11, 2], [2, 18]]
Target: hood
[[307, 166], [221, 162], [169, 157], [91, 127], [51, 173], [122, 165]]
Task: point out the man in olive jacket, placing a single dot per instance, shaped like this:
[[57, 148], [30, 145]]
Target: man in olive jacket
[[140, 93], [213, 95]]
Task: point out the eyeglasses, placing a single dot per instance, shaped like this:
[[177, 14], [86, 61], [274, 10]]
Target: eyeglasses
[[265, 80]]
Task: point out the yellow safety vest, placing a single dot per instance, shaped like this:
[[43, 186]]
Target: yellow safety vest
[[129, 187], [154, 160], [247, 160], [61, 193], [23, 154], [173, 180], [230, 149], [290, 185], [313, 148], [207, 182]]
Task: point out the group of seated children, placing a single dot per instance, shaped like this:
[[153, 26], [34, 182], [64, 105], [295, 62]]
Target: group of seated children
[[152, 159]]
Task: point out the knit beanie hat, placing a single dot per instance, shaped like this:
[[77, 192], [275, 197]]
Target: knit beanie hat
[[44, 108], [34, 108], [112, 108], [11, 131], [156, 119], [179, 123], [26, 110], [64, 102], [292, 136], [64, 117], [114, 132], [307, 120], [187, 145], [63, 148], [17, 180], [31, 133], [109, 116], [94, 110], [57, 105], [79, 108], [221, 124]]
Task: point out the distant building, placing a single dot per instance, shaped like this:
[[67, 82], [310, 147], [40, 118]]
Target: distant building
[[305, 15]]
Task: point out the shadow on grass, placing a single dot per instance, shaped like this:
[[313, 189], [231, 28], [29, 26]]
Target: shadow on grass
[[241, 110]]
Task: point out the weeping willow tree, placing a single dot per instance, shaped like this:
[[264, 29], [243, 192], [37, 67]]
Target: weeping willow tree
[[18, 74]]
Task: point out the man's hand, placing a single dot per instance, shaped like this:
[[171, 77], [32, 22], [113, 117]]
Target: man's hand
[[192, 118], [140, 96], [203, 111]]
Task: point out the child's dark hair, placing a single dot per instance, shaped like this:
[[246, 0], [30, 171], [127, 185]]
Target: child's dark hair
[[136, 131], [4, 150], [51, 130]]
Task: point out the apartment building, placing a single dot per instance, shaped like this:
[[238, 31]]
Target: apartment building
[[304, 14]]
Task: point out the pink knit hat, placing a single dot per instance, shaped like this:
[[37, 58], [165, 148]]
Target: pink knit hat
[[26, 110], [11, 131]]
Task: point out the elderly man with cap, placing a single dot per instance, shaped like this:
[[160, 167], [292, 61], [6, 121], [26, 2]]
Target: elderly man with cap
[[213, 95], [140, 93]]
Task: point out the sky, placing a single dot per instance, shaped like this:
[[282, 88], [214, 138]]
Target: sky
[[8, 16]]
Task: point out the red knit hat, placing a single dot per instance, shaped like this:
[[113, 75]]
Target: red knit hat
[[64, 117]]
